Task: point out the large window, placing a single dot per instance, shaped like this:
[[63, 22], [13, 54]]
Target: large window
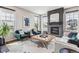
[[72, 20], [40, 23], [37, 23], [44, 21], [6, 17]]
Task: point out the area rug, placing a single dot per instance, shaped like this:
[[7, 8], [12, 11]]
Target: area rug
[[28, 46]]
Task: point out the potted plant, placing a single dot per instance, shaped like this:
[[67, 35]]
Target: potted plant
[[4, 30]]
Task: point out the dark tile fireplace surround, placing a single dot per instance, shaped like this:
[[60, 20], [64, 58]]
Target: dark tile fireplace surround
[[56, 28]]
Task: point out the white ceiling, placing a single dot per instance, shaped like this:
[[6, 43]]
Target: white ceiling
[[40, 9]]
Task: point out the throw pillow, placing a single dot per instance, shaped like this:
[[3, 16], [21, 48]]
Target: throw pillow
[[21, 32]]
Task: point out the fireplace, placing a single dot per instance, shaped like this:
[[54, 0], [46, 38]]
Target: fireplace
[[56, 30], [55, 22]]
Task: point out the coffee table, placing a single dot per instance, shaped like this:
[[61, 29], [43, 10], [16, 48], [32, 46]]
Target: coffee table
[[44, 41]]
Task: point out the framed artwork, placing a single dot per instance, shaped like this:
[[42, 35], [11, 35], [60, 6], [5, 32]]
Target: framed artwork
[[26, 20]]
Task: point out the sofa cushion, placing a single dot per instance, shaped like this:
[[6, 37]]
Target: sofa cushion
[[21, 32]]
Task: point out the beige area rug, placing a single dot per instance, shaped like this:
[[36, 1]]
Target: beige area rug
[[28, 47]]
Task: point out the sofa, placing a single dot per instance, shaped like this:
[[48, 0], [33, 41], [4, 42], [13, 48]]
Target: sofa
[[20, 35]]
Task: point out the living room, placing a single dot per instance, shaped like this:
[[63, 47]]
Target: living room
[[39, 29]]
